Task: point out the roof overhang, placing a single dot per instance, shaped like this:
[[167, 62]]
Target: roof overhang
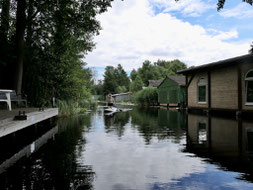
[[219, 64]]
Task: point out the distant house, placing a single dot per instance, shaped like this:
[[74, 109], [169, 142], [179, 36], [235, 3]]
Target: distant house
[[154, 83], [171, 91], [122, 97], [225, 85]]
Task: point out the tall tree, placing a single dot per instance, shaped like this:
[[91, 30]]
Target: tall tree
[[50, 39], [136, 85], [133, 74], [122, 78], [115, 80], [110, 80], [20, 33]]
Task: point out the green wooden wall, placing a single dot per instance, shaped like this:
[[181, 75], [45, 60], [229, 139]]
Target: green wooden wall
[[169, 92]]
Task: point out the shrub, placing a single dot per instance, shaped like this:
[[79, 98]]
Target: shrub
[[147, 96]]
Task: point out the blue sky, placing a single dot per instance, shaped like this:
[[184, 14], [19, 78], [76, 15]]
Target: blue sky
[[189, 30]]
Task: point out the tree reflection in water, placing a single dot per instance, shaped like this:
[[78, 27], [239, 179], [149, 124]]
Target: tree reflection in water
[[116, 123], [158, 123], [55, 165]]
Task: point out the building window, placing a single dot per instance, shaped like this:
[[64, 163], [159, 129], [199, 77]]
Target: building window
[[202, 90], [249, 87]]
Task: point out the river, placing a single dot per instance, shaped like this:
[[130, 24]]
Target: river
[[138, 149]]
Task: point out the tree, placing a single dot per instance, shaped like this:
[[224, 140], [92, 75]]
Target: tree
[[133, 74], [159, 69], [110, 80], [136, 85], [121, 89], [149, 72], [115, 80], [122, 78], [221, 3], [43, 44], [251, 48], [175, 66]]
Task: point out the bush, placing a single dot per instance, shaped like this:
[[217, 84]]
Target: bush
[[147, 96]]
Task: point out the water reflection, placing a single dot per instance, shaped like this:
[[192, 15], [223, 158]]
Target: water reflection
[[140, 149], [116, 122], [144, 157], [159, 123], [54, 166], [227, 142]]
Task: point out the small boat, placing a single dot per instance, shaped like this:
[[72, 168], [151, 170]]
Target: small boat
[[111, 109]]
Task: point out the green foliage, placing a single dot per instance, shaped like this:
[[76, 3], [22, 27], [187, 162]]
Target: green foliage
[[121, 89], [56, 36], [133, 74], [71, 107], [158, 70], [221, 3], [67, 108], [136, 85], [147, 96], [115, 80]]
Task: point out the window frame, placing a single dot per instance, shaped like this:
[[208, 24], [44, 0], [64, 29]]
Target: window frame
[[246, 88], [199, 85]]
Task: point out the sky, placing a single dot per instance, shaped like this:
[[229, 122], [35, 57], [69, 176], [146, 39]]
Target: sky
[[192, 31]]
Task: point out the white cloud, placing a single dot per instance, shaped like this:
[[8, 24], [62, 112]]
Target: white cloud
[[224, 35], [132, 33], [241, 11]]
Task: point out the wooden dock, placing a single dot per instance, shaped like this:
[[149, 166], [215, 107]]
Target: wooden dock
[[8, 125]]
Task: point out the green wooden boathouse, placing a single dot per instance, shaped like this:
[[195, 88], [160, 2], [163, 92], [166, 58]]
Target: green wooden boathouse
[[171, 92]]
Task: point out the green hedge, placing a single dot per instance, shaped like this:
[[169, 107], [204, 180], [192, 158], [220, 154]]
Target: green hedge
[[146, 97]]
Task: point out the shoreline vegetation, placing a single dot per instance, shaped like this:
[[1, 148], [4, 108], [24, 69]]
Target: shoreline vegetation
[[71, 107], [146, 97]]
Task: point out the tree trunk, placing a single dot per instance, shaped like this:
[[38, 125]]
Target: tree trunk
[[20, 33], [5, 17], [5, 81]]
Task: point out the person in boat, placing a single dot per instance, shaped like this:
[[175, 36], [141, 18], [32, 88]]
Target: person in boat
[[110, 100]]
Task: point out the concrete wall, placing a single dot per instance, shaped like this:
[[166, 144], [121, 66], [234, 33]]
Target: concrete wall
[[122, 97], [224, 88], [193, 91], [224, 136]]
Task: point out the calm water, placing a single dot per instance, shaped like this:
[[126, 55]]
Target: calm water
[[140, 149]]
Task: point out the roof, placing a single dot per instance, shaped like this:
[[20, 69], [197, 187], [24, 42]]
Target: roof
[[180, 80], [154, 83], [219, 64]]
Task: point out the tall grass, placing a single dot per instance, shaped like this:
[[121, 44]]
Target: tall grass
[[71, 107]]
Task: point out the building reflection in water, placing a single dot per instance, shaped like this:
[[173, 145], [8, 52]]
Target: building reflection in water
[[227, 142]]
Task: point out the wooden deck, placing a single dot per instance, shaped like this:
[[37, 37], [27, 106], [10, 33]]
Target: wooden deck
[[8, 125]]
